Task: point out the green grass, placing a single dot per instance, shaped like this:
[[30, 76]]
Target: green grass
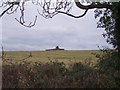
[[66, 56]]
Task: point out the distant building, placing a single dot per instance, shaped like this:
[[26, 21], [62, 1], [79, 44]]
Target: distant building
[[57, 48]]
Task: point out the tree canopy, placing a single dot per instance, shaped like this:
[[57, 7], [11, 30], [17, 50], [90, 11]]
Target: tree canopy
[[110, 20]]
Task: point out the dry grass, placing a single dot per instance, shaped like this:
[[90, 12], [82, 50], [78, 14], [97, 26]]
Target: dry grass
[[66, 56]]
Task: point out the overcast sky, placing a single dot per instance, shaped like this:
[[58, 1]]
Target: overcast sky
[[67, 32]]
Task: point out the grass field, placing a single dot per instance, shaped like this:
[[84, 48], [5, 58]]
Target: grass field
[[66, 56], [73, 69]]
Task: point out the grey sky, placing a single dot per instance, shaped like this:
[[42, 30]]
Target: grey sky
[[67, 32]]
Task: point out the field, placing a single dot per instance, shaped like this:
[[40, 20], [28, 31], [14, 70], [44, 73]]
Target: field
[[54, 69], [66, 56]]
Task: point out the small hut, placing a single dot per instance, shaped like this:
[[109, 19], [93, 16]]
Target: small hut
[[57, 48]]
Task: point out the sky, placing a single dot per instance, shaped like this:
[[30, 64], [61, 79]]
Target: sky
[[64, 31]]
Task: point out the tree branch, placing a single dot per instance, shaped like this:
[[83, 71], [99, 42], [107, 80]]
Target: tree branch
[[93, 5], [31, 24], [50, 9], [6, 10], [73, 15], [11, 6]]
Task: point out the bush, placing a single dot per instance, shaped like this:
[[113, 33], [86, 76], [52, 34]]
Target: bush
[[98, 79], [54, 75], [110, 65], [36, 75], [78, 71]]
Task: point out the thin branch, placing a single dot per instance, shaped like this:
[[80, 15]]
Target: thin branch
[[12, 11], [30, 24], [3, 53], [6, 10], [73, 15], [10, 7], [30, 55]]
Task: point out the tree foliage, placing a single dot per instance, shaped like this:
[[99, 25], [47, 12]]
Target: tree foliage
[[109, 19]]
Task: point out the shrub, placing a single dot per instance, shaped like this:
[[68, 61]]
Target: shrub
[[54, 75], [98, 79], [110, 65], [78, 71]]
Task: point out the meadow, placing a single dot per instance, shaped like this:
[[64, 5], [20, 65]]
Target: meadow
[[66, 56], [54, 69]]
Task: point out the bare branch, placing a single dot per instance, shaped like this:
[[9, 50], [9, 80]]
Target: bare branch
[[30, 55], [73, 15], [6, 10], [48, 8], [13, 9], [10, 4], [31, 24], [3, 53]]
